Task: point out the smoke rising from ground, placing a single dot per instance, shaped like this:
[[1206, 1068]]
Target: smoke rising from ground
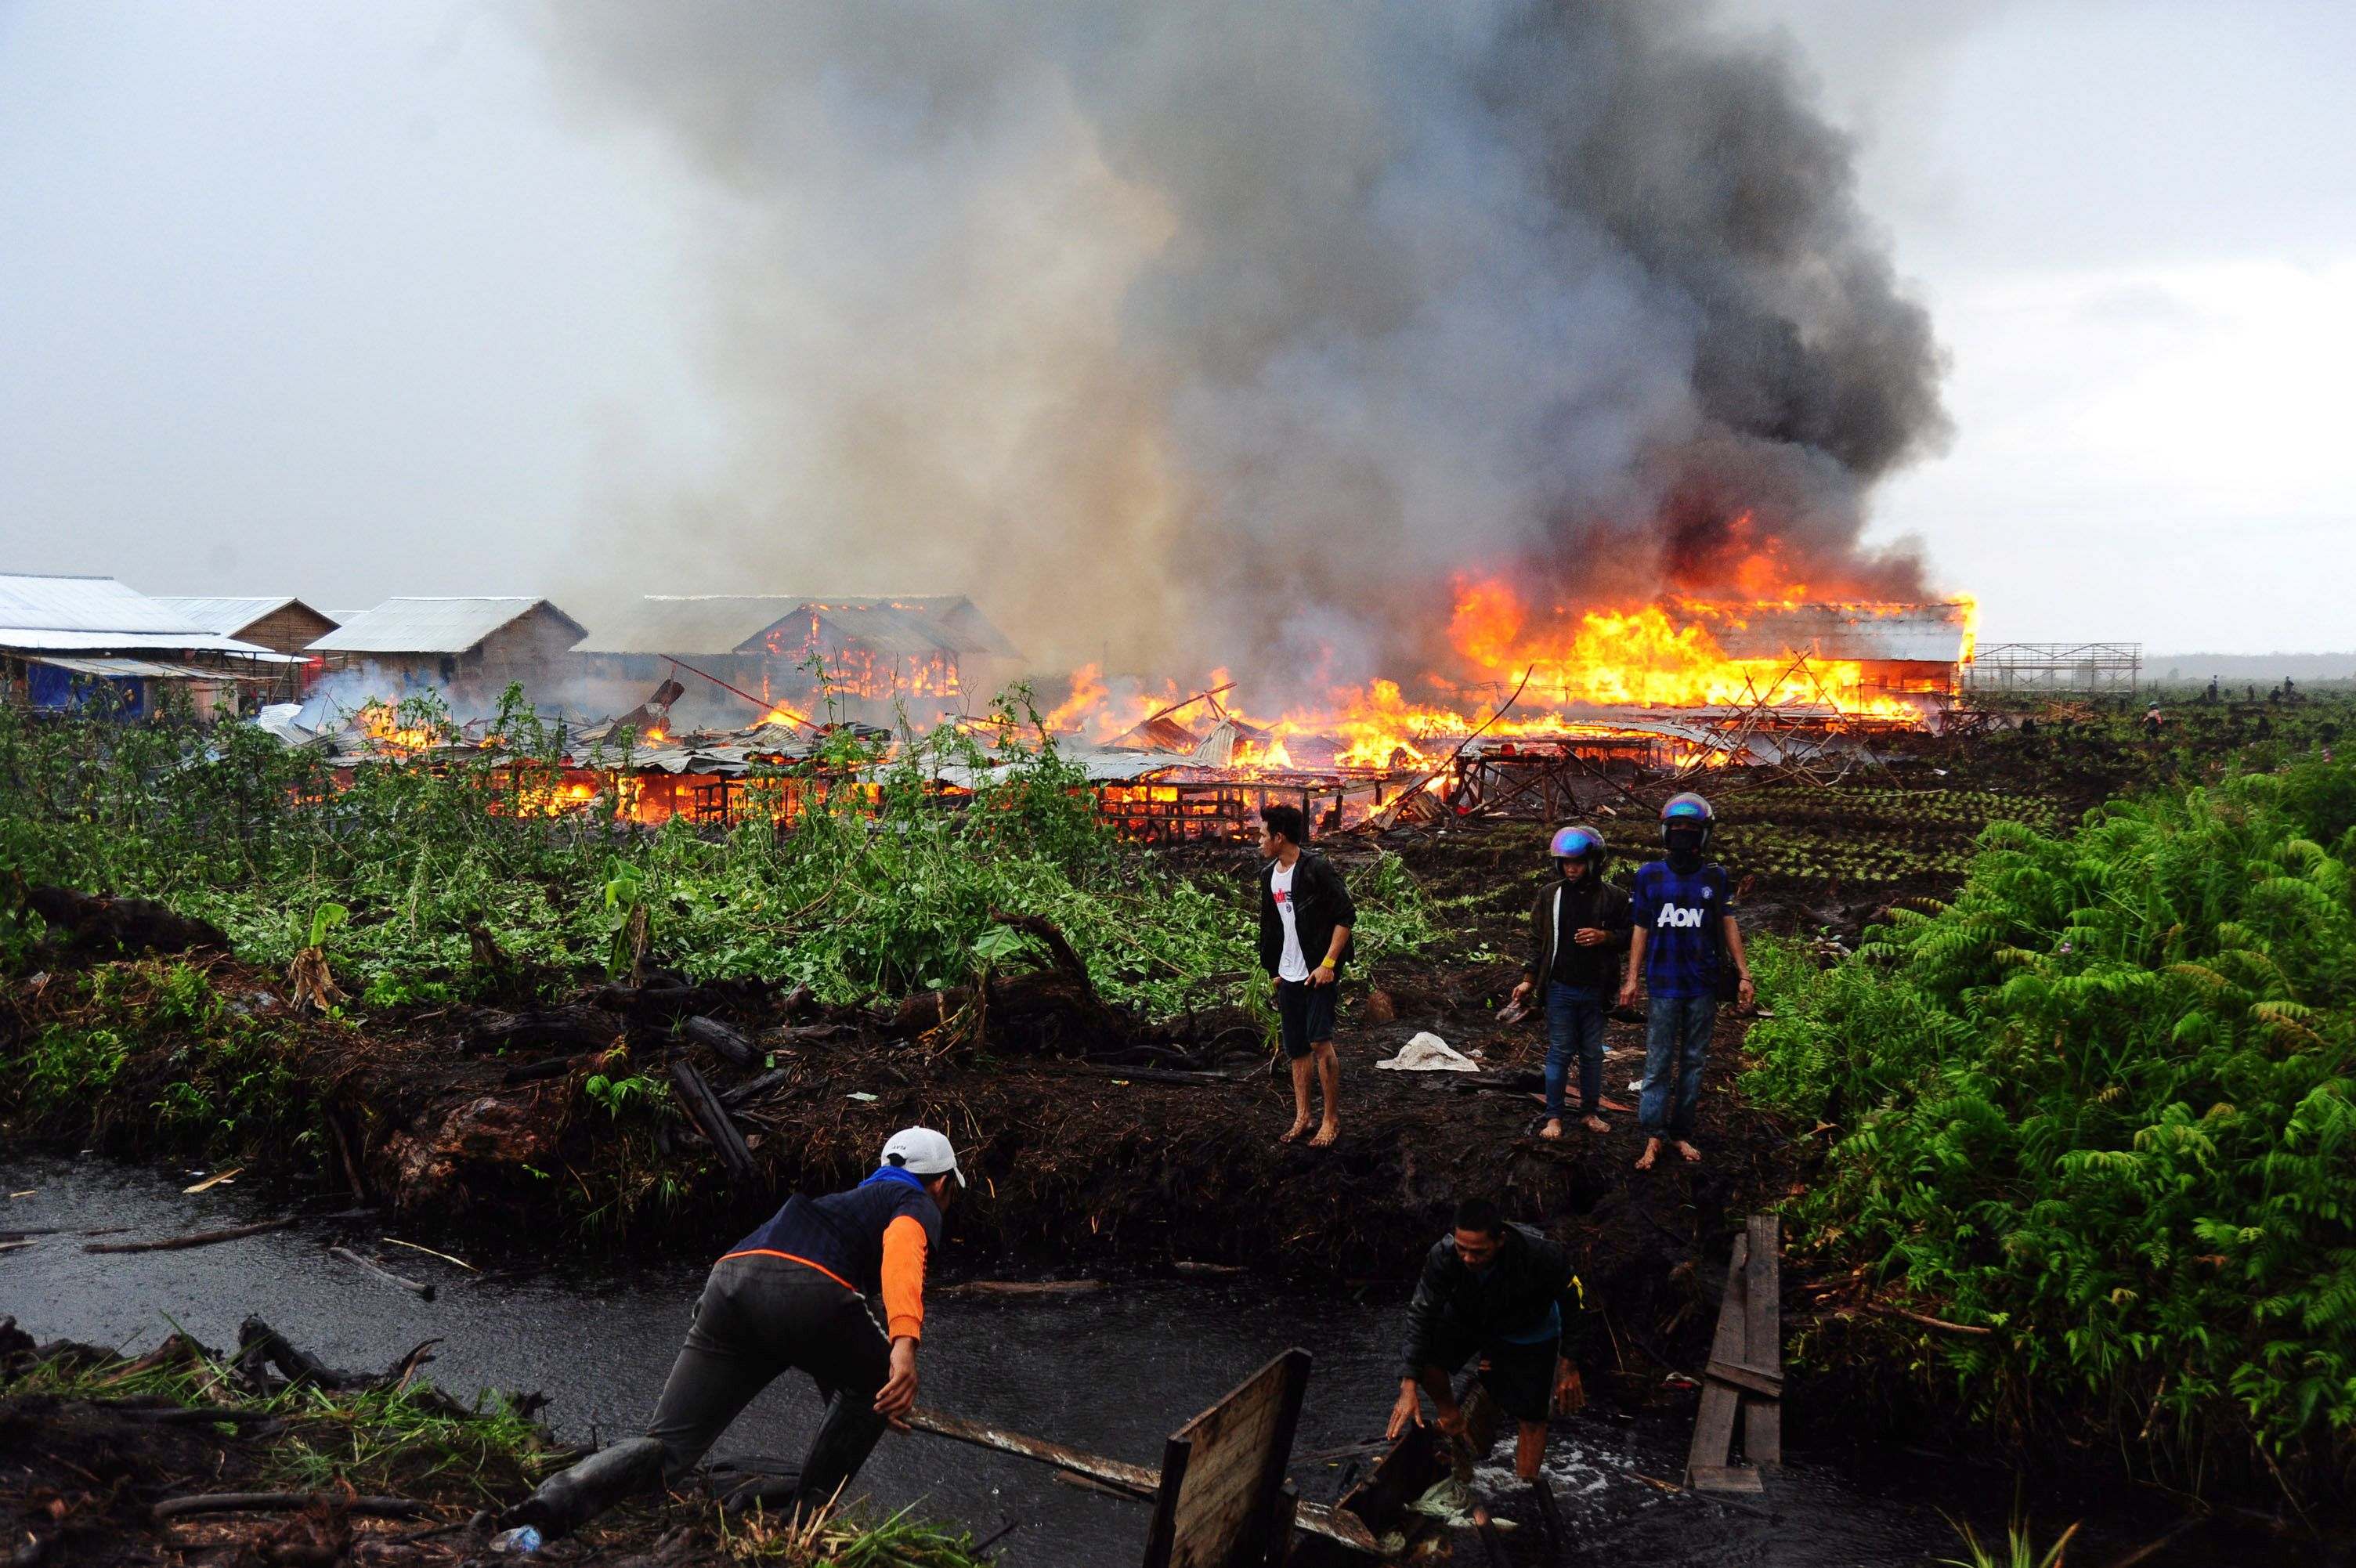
[[1230, 332]]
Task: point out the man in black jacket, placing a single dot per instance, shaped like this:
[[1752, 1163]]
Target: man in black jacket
[[1304, 909], [1577, 927], [1504, 1293]]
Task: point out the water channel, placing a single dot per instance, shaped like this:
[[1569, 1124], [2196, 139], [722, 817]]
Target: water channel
[[1114, 1371]]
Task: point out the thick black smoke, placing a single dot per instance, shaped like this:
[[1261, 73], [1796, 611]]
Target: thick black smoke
[[1232, 331]]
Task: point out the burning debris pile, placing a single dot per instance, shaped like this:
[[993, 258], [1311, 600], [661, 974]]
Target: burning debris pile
[[1560, 722]]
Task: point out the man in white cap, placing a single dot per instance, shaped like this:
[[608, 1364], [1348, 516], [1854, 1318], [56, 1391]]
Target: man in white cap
[[794, 1294]]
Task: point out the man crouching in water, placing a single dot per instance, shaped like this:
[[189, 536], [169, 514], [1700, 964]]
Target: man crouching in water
[[1502, 1296], [793, 1295]]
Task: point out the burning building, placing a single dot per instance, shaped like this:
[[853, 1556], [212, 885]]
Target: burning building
[[740, 657], [92, 644], [470, 649]]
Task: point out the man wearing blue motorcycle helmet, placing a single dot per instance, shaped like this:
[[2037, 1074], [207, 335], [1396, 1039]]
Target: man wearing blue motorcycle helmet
[[1684, 943], [1577, 927]]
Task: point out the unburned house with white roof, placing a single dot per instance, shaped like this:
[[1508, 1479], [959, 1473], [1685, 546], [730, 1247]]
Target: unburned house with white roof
[[469, 649], [91, 644]]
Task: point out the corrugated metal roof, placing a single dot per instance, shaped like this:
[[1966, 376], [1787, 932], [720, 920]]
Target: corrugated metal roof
[[229, 615], [710, 624], [96, 614], [24, 640], [432, 626], [84, 604], [123, 669], [1928, 634]]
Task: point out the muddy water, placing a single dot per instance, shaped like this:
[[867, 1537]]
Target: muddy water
[[1114, 1371]]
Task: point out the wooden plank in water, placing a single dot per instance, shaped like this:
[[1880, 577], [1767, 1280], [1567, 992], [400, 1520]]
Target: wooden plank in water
[[1120, 1478], [1762, 1419], [1222, 1472], [1134, 1479], [1713, 1439], [1725, 1479]]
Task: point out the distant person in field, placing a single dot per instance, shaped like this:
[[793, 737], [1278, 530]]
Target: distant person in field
[[1683, 942], [1505, 1296], [1577, 927], [2151, 722], [1305, 915]]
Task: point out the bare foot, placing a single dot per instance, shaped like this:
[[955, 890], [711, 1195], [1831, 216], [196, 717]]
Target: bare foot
[[1652, 1151], [1553, 1128], [1333, 1130], [1596, 1125], [1293, 1135], [1688, 1150]]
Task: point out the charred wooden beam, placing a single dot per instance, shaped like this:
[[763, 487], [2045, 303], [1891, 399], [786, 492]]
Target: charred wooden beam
[[721, 1040], [198, 1238], [704, 1108]]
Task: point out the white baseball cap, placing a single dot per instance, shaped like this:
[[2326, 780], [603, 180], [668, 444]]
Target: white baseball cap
[[924, 1151]]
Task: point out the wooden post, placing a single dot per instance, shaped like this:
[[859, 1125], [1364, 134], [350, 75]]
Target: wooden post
[[1713, 1439], [1745, 1373], [1762, 1415], [1278, 1550]]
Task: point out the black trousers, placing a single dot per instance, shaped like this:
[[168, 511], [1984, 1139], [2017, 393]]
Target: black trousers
[[758, 1317]]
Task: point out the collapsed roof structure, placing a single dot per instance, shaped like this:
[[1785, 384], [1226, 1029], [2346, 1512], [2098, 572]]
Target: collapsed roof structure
[[927, 654]]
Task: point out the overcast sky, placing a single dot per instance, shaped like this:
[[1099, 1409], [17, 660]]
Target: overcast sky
[[341, 300]]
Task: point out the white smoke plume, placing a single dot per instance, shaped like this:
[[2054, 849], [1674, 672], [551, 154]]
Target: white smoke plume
[[1230, 332]]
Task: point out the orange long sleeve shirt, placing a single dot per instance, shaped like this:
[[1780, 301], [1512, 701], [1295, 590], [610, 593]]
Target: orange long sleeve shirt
[[904, 1277]]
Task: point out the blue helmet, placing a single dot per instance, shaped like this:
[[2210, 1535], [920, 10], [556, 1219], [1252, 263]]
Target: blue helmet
[[1579, 841], [1687, 810]]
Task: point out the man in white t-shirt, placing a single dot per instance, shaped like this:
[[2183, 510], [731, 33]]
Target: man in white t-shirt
[[1304, 909]]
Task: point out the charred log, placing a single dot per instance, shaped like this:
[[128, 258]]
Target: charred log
[[89, 927], [487, 1030], [703, 1106], [721, 1040]]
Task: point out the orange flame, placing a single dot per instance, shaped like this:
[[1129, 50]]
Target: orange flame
[[1665, 655], [381, 724]]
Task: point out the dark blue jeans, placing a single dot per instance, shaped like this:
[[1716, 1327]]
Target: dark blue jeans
[[1676, 1035], [1574, 1029]]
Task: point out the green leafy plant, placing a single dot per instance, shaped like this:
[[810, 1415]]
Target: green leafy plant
[[618, 1094], [624, 897], [323, 919], [2099, 1106]]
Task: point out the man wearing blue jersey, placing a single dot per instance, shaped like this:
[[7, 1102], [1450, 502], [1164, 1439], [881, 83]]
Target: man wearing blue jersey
[[1684, 932]]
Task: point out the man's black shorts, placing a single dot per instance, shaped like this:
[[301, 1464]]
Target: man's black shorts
[[1304, 1013], [1520, 1378]]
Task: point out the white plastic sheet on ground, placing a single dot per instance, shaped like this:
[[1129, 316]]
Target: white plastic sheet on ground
[[1429, 1053]]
